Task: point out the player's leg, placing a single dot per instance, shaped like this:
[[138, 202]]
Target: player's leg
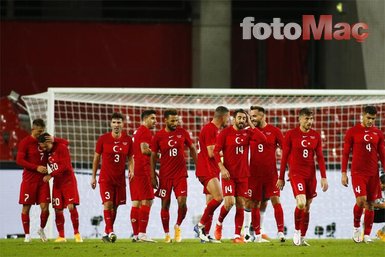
[[146, 196], [298, 187], [279, 217], [262, 211], [239, 216], [25, 221], [107, 194], [59, 220], [75, 221], [228, 190], [44, 198], [164, 193], [180, 190], [247, 220], [27, 197], [372, 188], [305, 222], [359, 189], [134, 215], [213, 199]]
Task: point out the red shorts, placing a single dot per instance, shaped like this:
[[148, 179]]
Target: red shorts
[[179, 185], [204, 181], [34, 193], [64, 195], [302, 186], [366, 186], [261, 189], [114, 193], [141, 188], [235, 187]]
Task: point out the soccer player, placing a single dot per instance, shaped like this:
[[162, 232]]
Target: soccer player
[[141, 189], [263, 173], [207, 172], [367, 144], [170, 142], [379, 209], [234, 142], [115, 148], [300, 146], [65, 191], [33, 190]]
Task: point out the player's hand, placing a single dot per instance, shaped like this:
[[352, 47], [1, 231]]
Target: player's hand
[[47, 178], [280, 184], [130, 175], [93, 183], [324, 184], [225, 174], [344, 179], [42, 169], [154, 180]]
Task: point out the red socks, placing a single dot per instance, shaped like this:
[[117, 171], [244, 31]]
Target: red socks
[[60, 223], [209, 211], [165, 216], [135, 219], [357, 213], [181, 215], [25, 222], [222, 214], [43, 218], [256, 220], [144, 213], [75, 220], [304, 222], [278, 214], [297, 218], [368, 221], [108, 220], [239, 216]]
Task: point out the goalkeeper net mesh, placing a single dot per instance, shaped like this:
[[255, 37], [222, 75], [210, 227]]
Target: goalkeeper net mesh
[[81, 116]]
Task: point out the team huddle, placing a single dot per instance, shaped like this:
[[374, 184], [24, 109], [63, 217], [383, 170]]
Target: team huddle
[[236, 165]]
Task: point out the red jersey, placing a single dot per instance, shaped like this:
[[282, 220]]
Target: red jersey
[[262, 156], [235, 147], [59, 161], [142, 165], [30, 156], [299, 149], [171, 148], [207, 166], [114, 152], [367, 145]]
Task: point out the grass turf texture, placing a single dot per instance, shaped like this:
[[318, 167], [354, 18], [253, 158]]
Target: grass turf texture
[[124, 247]]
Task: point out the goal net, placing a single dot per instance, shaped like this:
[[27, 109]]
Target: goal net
[[81, 115]]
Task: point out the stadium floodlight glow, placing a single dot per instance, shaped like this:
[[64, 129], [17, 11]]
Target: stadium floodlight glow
[[310, 29]]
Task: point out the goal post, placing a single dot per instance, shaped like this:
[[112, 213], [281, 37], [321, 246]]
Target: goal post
[[81, 115]]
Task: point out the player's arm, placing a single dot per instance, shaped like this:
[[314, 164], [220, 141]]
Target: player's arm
[[321, 165], [130, 165], [145, 148], [193, 153], [225, 174], [381, 150], [210, 151], [95, 166], [348, 143], [153, 161], [63, 163], [258, 136], [21, 159], [286, 149]]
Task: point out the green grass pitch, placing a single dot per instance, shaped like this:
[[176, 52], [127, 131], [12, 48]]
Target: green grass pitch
[[124, 247]]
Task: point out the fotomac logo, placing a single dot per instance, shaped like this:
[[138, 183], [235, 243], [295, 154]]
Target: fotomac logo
[[324, 30]]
